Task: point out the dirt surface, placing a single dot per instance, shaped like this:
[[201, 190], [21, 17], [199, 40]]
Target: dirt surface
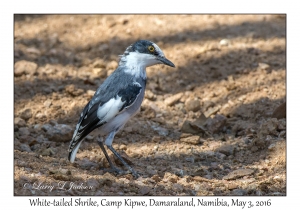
[[214, 125]]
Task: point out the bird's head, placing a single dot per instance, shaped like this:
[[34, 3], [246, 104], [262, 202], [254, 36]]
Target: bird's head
[[144, 53]]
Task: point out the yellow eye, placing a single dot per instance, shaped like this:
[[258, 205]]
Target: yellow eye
[[151, 49]]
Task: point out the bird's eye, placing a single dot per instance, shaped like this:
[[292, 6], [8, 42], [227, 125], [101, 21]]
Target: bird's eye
[[151, 49]]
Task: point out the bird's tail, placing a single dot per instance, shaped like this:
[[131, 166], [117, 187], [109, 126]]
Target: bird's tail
[[73, 151]]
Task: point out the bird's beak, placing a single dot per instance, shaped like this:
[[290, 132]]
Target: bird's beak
[[165, 61]]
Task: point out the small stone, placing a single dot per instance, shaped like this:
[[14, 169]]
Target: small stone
[[156, 178], [232, 186], [170, 101], [177, 187], [109, 72], [91, 93], [193, 105], [112, 65], [280, 111], [23, 131], [268, 127], [220, 155], [216, 124], [150, 170], [47, 103], [25, 148], [239, 192], [195, 140], [26, 114], [150, 95], [73, 91], [199, 172], [99, 63], [58, 133], [263, 66], [238, 173], [103, 47], [87, 164], [25, 67], [224, 42], [190, 159], [93, 183], [161, 131], [19, 122], [156, 139], [47, 152], [187, 128], [123, 147], [168, 177], [272, 147], [212, 110], [144, 190], [99, 72], [226, 149], [40, 116]]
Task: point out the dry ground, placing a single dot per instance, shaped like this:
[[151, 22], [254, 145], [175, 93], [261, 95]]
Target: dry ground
[[207, 127]]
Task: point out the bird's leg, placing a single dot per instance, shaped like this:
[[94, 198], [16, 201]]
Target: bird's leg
[[113, 167], [108, 143], [123, 161]]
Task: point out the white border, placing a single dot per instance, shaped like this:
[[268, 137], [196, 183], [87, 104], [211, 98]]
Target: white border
[[153, 6]]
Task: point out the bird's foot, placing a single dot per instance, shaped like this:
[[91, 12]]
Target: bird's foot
[[117, 171]]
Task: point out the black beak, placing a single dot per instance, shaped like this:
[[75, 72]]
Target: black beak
[[165, 61]]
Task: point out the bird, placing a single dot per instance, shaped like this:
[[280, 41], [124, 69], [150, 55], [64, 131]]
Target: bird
[[117, 100]]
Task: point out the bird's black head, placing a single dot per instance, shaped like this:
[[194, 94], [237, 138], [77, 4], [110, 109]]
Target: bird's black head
[[150, 52]]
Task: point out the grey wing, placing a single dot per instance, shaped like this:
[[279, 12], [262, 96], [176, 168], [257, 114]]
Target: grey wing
[[96, 114]]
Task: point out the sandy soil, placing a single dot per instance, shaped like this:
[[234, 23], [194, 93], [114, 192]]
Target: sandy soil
[[214, 125]]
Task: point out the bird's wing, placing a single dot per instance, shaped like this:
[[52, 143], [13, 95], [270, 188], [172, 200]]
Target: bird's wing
[[96, 113]]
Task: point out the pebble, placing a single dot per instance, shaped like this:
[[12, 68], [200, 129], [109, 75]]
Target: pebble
[[232, 186], [73, 91], [93, 183], [47, 152], [25, 67], [168, 177], [161, 131], [226, 149], [123, 147], [23, 131], [239, 192], [220, 155], [144, 190], [224, 42], [212, 110], [151, 170], [272, 147], [216, 124], [112, 65], [40, 116], [263, 66], [25, 148], [192, 105], [268, 127], [91, 93], [47, 103], [238, 173], [58, 133], [280, 111], [19, 122], [170, 101], [195, 140], [26, 114], [187, 128], [87, 164]]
